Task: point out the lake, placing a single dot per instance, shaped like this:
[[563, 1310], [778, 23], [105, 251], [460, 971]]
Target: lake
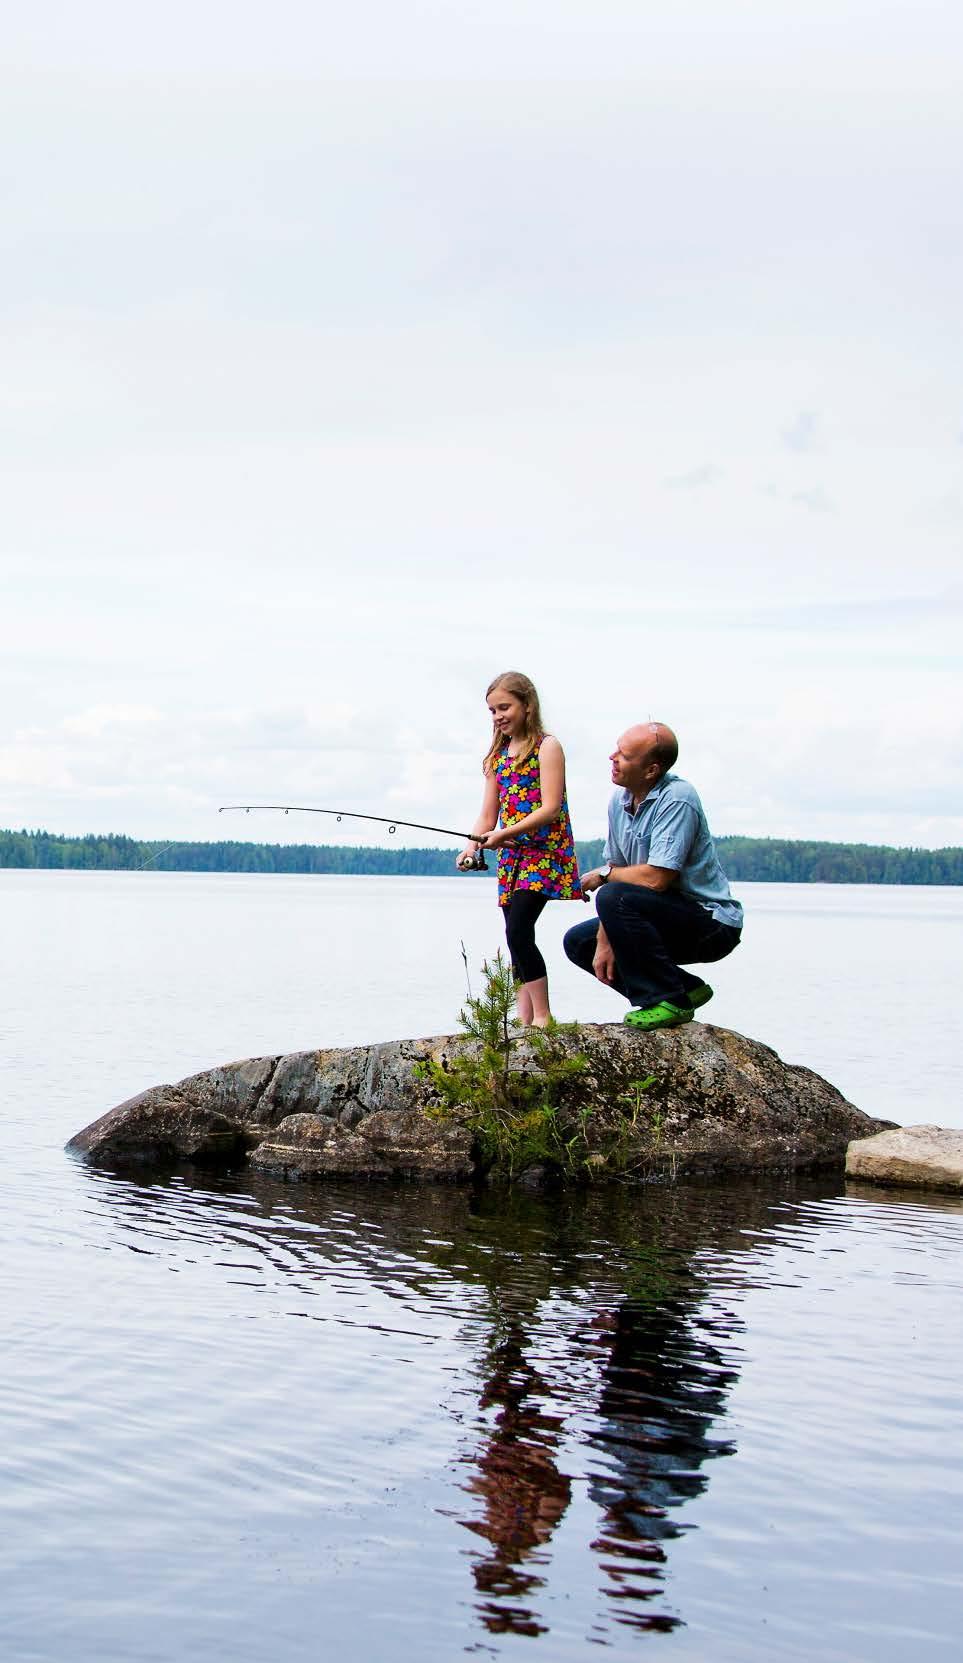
[[246, 1420]]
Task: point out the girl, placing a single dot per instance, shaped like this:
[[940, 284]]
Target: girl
[[525, 790]]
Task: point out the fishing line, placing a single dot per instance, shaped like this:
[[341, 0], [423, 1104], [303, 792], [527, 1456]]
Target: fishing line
[[150, 858]]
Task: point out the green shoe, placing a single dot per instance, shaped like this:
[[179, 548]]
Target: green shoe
[[662, 1015], [700, 995]]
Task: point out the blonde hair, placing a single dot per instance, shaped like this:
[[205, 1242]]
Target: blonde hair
[[533, 732]]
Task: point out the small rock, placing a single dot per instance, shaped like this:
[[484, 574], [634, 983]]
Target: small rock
[[926, 1157]]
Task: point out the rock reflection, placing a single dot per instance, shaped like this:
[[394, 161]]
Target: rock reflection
[[589, 1341]]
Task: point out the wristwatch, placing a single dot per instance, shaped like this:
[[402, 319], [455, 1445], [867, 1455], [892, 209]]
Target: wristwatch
[[605, 872]]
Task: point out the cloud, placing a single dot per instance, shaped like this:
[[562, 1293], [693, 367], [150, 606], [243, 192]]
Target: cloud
[[100, 719], [140, 770], [803, 433], [695, 480], [872, 615], [816, 500], [338, 375], [941, 512]]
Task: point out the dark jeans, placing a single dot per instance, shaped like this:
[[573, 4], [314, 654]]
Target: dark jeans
[[650, 933], [521, 915]]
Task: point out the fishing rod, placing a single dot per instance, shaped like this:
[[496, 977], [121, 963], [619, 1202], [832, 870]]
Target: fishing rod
[[475, 862]]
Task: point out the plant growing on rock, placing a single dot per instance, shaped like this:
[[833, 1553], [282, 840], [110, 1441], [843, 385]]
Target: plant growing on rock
[[637, 1109], [513, 1111]]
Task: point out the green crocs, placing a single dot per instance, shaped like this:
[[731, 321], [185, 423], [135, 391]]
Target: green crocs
[[700, 995], [662, 1015]]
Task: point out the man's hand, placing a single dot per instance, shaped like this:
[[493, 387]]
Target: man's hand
[[592, 880], [603, 964]]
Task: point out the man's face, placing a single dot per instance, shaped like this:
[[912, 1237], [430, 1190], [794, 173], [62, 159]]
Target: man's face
[[633, 766]]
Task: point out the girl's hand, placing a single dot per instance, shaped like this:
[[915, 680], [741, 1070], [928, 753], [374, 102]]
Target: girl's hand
[[465, 858], [495, 839]]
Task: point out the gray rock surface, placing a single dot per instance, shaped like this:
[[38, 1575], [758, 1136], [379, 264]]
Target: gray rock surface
[[713, 1103], [925, 1157], [389, 1143]]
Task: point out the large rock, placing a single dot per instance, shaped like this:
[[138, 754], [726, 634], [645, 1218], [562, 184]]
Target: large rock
[[690, 1101], [924, 1157]]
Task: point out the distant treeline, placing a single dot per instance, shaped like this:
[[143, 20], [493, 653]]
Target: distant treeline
[[112, 853], [753, 859], [775, 860]]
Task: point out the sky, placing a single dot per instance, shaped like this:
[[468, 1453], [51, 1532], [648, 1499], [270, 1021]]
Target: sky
[[352, 355]]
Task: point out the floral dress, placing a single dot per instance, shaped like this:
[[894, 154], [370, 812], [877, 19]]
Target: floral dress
[[542, 860]]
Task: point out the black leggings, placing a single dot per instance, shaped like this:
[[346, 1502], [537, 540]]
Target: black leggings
[[521, 915]]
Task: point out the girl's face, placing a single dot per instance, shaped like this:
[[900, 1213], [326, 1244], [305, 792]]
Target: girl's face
[[508, 712]]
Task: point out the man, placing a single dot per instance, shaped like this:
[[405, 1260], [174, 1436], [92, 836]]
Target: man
[[662, 897]]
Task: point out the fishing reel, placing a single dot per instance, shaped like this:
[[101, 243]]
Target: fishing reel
[[475, 862]]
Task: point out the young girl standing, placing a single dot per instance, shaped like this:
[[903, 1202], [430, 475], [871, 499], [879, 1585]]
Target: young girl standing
[[524, 798]]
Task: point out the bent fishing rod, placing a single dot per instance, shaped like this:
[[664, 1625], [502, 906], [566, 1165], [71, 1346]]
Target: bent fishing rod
[[476, 862]]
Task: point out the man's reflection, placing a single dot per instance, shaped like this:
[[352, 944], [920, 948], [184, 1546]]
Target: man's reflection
[[664, 1382], [646, 1382]]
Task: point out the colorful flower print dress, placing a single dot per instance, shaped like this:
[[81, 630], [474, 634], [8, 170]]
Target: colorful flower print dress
[[542, 860]]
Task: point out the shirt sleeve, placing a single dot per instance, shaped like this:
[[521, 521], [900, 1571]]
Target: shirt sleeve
[[612, 854], [673, 833]]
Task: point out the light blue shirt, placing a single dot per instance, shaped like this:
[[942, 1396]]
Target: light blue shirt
[[669, 829]]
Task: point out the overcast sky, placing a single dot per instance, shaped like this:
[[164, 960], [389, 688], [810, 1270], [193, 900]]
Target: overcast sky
[[353, 354]]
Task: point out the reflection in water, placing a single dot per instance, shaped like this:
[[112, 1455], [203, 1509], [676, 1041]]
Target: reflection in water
[[638, 1396], [586, 1333], [523, 1492], [663, 1384]]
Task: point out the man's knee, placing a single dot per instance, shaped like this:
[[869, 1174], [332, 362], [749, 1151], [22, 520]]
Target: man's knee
[[579, 941], [613, 900], [606, 902], [721, 940], [631, 900]]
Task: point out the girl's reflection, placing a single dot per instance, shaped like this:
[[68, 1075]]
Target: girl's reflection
[[523, 1492]]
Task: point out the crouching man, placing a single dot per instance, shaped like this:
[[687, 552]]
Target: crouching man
[[662, 898]]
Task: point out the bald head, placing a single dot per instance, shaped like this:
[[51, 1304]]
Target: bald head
[[652, 742], [643, 754]]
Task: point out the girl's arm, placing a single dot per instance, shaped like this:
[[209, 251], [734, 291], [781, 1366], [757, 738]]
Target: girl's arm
[[551, 767], [486, 821]]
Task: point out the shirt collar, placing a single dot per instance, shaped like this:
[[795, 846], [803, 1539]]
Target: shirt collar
[[627, 798]]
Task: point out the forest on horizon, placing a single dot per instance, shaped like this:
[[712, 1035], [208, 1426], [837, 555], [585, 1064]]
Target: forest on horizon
[[748, 859]]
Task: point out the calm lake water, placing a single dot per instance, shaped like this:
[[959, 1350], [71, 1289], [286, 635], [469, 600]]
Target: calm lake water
[[243, 1420]]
